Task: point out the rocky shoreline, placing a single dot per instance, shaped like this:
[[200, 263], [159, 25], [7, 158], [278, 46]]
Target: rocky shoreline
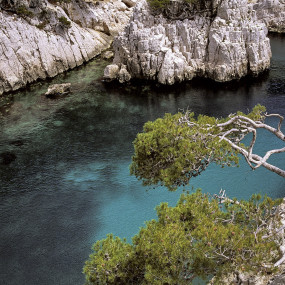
[[40, 39], [224, 44]]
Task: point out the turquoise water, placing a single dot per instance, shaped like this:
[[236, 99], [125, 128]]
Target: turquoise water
[[69, 182]]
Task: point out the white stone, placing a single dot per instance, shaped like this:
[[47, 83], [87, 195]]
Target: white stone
[[230, 45], [272, 12], [111, 72]]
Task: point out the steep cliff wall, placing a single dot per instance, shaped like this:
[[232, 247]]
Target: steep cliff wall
[[272, 12], [40, 39], [225, 44]]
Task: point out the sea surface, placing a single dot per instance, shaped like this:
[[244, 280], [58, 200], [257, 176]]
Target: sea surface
[[64, 164]]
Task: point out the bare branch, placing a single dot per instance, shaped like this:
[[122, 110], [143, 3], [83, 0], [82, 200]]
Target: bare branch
[[257, 125], [268, 154], [278, 116]]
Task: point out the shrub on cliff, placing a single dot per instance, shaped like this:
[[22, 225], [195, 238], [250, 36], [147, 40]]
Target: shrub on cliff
[[23, 11], [63, 20], [160, 5]]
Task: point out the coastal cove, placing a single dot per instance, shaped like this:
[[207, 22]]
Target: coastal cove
[[69, 182]]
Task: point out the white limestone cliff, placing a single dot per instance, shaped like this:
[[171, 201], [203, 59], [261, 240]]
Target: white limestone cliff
[[272, 12], [36, 44], [223, 45]]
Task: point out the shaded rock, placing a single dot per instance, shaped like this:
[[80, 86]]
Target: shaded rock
[[107, 54], [223, 42], [111, 72], [129, 3], [278, 280], [56, 90], [123, 75], [7, 157]]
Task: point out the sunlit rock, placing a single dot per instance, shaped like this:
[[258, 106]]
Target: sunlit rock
[[40, 40], [272, 12], [223, 41], [58, 90]]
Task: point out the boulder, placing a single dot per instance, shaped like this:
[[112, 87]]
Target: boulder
[[123, 75], [111, 72], [56, 90]]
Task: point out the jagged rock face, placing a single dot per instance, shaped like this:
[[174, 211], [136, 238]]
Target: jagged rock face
[[12, 5], [272, 12], [100, 15], [225, 46], [37, 44]]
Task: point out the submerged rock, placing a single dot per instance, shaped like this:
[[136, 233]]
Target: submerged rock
[[7, 157], [221, 40], [39, 39], [58, 90]]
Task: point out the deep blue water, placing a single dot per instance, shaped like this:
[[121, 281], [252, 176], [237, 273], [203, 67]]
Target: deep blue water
[[69, 184]]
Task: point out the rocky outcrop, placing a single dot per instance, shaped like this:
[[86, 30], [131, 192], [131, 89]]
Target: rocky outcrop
[[223, 40], [40, 38], [272, 12], [56, 90]]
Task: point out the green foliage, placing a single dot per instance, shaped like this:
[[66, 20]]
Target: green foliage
[[162, 4], [64, 21], [158, 4], [113, 262], [58, 1], [42, 25], [170, 152], [24, 12], [195, 238]]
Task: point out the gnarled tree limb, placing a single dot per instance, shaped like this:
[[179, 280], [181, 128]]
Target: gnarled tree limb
[[237, 127]]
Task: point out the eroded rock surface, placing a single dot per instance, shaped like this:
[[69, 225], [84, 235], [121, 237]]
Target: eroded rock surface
[[225, 44], [40, 38], [272, 12]]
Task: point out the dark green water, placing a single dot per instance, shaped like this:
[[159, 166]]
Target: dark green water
[[69, 184]]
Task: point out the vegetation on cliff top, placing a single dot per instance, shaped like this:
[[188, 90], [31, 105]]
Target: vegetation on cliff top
[[159, 5]]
